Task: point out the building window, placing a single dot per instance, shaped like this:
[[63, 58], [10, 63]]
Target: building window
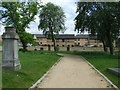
[[40, 42], [63, 40], [57, 45], [86, 39], [78, 39], [95, 41], [57, 40], [37, 38], [62, 45], [75, 39], [67, 40], [72, 45], [100, 41], [78, 44]]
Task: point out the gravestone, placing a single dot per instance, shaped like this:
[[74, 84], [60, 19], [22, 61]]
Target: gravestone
[[10, 59]]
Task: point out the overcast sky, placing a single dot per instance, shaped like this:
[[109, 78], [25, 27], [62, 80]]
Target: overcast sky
[[69, 8]]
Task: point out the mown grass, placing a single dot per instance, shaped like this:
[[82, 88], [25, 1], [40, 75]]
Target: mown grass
[[34, 66]]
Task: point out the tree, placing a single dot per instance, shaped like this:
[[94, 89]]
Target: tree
[[52, 20], [26, 38], [101, 19], [19, 15]]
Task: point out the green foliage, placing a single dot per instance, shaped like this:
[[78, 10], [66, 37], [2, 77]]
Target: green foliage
[[101, 19], [57, 48], [19, 15], [26, 38], [51, 18]]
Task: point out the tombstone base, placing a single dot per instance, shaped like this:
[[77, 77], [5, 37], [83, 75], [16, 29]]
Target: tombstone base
[[8, 68], [7, 65]]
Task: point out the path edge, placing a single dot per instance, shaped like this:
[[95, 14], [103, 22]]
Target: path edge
[[34, 85], [101, 74]]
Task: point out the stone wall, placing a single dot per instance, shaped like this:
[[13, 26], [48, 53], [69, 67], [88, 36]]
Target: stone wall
[[71, 48]]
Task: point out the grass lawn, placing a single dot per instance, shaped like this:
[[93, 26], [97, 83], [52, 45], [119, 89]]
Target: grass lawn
[[102, 61], [34, 65]]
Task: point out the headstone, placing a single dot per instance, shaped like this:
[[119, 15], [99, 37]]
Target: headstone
[[10, 59]]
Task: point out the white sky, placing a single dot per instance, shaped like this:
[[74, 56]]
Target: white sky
[[69, 8]]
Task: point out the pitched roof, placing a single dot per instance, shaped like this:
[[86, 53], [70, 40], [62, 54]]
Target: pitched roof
[[82, 36], [68, 36], [40, 35]]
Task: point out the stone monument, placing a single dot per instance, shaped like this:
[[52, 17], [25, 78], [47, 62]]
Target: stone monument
[[10, 59]]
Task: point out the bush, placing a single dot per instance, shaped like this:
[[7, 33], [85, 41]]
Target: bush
[[23, 50], [57, 48]]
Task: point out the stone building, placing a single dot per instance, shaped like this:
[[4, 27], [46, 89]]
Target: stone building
[[64, 40]]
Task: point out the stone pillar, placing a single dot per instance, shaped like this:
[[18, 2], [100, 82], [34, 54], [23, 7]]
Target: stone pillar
[[10, 59]]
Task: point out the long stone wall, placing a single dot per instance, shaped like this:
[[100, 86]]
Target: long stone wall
[[65, 48], [71, 48]]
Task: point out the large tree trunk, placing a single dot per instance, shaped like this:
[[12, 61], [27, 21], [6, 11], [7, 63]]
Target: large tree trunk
[[110, 42], [104, 46], [54, 44], [53, 39]]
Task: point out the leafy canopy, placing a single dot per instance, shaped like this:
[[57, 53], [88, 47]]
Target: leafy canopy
[[19, 15], [97, 18], [52, 19]]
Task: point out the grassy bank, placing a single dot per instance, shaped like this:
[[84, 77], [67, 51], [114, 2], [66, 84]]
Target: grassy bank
[[34, 65]]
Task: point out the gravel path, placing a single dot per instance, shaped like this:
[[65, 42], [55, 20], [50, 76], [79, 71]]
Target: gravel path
[[73, 72]]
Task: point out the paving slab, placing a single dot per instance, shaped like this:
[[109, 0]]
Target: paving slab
[[73, 72]]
